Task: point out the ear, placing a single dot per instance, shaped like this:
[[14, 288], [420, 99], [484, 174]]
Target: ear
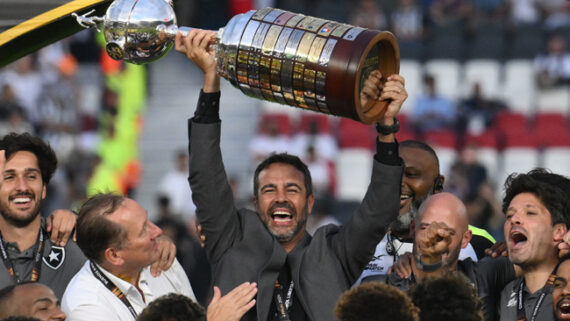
[[44, 191], [466, 238], [310, 203], [558, 232], [113, 256]]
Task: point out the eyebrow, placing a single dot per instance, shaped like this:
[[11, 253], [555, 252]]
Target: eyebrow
[[27, 170], [526, 206], [293, 184], [48, 300]]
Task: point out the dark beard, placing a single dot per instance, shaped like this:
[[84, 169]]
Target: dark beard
[[20, 222], [282, 238], [17, 221]]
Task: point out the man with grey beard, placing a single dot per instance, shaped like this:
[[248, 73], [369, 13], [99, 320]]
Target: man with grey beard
[[421, 179]]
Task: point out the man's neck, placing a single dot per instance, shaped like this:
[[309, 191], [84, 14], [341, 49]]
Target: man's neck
[[535, 278], [130, 276], [289, 246], [25, 237]]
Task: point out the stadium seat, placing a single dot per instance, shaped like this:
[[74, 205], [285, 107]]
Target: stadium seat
[[508, 123], [413, 73], [353, 170], [557, 159], [282, 120], [486, 73], [322, 121], [517, 160], [441, 138], [519, 87], [352, 134], [447, 76], [555, 100]]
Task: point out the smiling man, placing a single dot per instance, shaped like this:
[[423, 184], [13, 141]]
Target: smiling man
[[299, 277], [27, 253], [536, 210], [561, 292], [120, 243]]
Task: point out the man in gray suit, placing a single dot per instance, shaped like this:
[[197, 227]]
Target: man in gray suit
[[298, 277]]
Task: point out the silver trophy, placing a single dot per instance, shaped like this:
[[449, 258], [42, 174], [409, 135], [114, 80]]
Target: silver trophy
[[270, 54]]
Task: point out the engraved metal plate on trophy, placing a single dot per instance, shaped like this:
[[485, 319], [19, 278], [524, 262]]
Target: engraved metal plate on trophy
[[308, 62], [270, 54]]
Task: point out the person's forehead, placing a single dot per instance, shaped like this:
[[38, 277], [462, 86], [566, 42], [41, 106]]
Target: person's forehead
[[281, 171], [129, 214], [33, 291], [26, 158], [564, 270], [416, 157], [526, 199], [441, 212]]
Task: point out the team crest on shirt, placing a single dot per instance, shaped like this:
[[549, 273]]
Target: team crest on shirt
[[55, 257]]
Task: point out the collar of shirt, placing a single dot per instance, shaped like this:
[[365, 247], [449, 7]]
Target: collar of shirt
[[130, 291]]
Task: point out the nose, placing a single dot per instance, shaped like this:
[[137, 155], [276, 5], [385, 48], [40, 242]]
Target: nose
[[156, 231], [566, 289], [515, 219], [58, 315], [21, 184]]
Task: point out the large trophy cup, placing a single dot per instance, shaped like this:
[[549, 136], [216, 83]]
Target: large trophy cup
[[270, 54]]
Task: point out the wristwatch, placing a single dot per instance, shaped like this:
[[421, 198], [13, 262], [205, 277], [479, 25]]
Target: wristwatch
[[386, 130], [428, 267]]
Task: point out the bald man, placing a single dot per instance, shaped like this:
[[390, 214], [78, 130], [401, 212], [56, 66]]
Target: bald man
[[30, 300], [440, 230]]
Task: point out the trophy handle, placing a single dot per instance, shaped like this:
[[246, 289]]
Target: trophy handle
[[172, 30], [388, 64]]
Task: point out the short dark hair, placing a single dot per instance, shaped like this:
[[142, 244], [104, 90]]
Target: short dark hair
[[449, 297], [288, 159], [375, 301], [421, 145], [47, 160], [173, 307], [546, 186], [95, 233], [6, 295]]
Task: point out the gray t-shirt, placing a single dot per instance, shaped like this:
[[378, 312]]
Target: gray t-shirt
[[59, 265], [509, 300]]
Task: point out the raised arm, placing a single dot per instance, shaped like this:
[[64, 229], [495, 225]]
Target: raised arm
[[211, 191], [357, 240]]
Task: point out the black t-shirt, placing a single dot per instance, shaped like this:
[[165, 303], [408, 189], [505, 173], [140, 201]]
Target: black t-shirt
[[489, 276]]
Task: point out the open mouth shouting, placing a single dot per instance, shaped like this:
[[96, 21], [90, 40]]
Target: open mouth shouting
[[282, 214], [563, 309], [517, 238]]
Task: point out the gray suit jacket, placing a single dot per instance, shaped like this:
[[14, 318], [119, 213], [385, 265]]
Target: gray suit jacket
[[241, 248]]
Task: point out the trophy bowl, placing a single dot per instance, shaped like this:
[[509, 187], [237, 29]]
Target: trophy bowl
[[134, 30]]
